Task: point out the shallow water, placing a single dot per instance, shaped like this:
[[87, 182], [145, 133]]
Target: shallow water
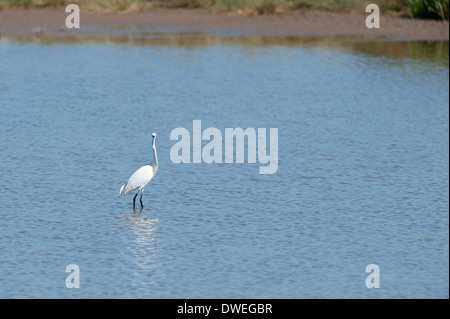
[[362, 179]]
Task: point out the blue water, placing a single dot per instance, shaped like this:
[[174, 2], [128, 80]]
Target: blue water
[[363, 175]]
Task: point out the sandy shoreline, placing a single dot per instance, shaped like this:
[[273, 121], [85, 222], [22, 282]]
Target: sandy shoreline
[[49, 22]]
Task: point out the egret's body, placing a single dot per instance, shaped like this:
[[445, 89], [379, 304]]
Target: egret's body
[[141, 177]]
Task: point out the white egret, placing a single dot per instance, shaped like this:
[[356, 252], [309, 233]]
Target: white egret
[[141, 177]]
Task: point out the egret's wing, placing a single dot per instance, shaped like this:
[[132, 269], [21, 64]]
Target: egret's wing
[[139, 178]]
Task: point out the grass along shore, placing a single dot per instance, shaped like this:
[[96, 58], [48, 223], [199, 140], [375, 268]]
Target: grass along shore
[[428, 9]]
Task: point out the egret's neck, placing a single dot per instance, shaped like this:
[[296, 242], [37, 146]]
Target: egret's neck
[[155, 158]]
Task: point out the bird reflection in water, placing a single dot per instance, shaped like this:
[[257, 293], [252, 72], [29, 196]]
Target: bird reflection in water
[[144, 241]]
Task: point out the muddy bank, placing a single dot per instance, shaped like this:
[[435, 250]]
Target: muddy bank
[[51, 22]]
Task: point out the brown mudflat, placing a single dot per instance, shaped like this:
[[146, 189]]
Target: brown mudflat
[[16, 22]]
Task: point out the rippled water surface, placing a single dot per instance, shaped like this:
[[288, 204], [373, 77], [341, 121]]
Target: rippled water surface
[[363, 174]]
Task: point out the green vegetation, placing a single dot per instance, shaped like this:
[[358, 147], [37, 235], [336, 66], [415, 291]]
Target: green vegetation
[[429, 9], [88, 5]]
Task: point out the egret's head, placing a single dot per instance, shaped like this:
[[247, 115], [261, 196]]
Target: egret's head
[[154, 135]]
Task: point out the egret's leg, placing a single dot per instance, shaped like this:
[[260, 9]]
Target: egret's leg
[[140, 198], [134, 200]]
